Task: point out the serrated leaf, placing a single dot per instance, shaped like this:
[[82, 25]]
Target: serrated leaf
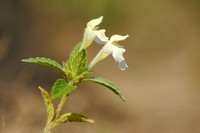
[[77, 67], [73, 117], [61, 88], [45, 61], [65, 66], [49, 105], [74, 52], [79, 63], [107, 84]]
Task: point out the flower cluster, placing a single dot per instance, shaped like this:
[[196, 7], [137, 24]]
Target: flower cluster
[[93, 33]]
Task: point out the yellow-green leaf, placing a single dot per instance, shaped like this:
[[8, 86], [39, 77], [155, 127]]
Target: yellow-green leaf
[[49, 105], [73, 117]]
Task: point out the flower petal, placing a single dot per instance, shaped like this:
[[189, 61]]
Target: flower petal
[[118, 56], [123, 65], [93, 23], [100, 36], [117, 38], [118, 53], [110, 47]]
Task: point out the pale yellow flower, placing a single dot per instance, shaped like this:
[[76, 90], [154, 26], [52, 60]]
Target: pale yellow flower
[[112, 47], [92, 33]]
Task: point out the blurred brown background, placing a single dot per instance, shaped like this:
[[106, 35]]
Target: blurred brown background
[[161, 85]]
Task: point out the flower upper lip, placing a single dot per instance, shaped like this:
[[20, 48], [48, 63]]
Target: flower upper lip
[[95, 22], [117, 38], [92, 32]]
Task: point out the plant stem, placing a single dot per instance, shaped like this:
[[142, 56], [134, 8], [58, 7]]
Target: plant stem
[[60, 106], [47, 129], [62, 102]]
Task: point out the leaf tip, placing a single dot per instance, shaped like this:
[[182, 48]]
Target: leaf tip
[[23, 60], [40, 88], [122, 97], [90, 121]]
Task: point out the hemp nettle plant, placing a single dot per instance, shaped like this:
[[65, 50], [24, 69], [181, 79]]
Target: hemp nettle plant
[[77, 70]]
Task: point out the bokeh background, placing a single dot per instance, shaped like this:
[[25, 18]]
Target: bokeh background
[[161, 85]]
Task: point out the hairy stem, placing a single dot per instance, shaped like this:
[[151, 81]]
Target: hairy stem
[[60, 106]]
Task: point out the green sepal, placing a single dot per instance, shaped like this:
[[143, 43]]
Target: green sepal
[[49, 105], [107, 84], [45, 61], [61, 88], [72, 117]]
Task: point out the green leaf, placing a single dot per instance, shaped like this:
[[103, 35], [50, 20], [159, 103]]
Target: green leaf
[[61, 88], [107, 84], [79, 63], [49, 105], [83, 75], [45, 61], [72, 117], [67, 65], [76, 67], [74, 52]]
